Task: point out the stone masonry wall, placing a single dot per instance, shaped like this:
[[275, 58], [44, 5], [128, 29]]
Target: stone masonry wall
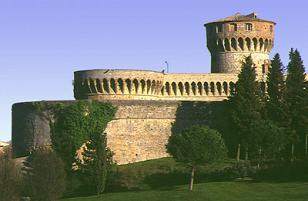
[[139, 131]]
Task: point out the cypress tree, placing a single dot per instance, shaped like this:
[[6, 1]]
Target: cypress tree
[[275, 89], [245, 105], [296, 100]]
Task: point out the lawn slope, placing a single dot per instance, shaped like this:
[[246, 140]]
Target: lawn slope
[[214, 191]]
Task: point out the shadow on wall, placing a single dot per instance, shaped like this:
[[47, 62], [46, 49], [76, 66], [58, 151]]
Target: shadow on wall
[[212, 114]]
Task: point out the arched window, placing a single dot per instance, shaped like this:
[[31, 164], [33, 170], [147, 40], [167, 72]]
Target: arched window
[[113, 85], [219, 28], [167, 87], [187, 88], [248, 27], [136, 86], [128, 85], [200, 91], [218, 86], [174, 88], [227, 45], [233, 44], [181, 88], [206, 88], [193, 88], [241, 43], [121, 85], [99, 86], [142, 86]]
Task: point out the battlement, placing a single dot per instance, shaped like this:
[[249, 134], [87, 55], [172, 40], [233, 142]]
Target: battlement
[[118, 84]]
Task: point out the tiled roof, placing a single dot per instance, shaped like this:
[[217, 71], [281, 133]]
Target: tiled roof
[[239, 17]]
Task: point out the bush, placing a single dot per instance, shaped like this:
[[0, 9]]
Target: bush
[[9, 178], [44, 175], [165, 173]]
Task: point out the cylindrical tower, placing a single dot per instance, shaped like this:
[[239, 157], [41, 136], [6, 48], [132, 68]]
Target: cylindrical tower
[[232, 39]]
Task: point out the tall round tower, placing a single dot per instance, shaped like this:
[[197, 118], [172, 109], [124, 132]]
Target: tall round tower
[[232, 39]]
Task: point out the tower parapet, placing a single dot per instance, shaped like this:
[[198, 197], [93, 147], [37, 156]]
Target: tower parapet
[[231, 39]]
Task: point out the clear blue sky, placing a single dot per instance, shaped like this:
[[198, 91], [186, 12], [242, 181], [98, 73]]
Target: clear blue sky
[[43, 41]]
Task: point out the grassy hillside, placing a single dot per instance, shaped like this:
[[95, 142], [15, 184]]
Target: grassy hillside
[[214, 191], [165, 179]]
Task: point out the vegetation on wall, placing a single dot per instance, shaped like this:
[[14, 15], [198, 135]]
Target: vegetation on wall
[[81, 126], [78, 123]]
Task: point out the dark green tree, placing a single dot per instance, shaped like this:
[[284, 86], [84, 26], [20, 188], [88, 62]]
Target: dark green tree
[[195, 146], [245, 105], [275, 89], [296, 100], [44, 175], [269, 140], [96, 162]]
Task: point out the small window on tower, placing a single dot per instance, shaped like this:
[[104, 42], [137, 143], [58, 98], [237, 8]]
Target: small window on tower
[[219, 28], [271, 28], [248, 27], [233, 27]]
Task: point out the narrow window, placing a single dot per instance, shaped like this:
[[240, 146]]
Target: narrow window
[[248, 27], [233, 27]]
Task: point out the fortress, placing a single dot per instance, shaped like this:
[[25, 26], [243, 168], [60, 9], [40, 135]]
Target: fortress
[[148, 101]]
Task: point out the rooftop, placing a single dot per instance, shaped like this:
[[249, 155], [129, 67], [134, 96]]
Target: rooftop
[[239, 17]]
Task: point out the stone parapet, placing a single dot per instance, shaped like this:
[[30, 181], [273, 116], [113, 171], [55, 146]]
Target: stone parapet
[[150, 85]]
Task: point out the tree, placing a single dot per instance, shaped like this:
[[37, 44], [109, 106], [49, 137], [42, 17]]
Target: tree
[[96, 162], [9, 178], [296, 100], [275, 90], [269, 140], [245, 105], [44, 175], [196, 145]]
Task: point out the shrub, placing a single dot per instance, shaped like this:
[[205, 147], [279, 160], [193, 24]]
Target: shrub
[[44, 175], [9, 178]]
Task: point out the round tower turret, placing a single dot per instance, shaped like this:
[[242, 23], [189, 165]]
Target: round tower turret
[[231, 39]]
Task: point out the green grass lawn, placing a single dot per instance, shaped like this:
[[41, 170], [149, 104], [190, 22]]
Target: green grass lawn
[[214, 191]]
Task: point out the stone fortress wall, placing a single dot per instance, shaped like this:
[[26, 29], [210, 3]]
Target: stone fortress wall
[[149, 101], [138, 132]]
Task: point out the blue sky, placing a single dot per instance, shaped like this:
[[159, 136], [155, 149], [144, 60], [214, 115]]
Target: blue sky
[[42, 42]]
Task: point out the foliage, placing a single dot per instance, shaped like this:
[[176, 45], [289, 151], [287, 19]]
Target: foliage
[[197, 145], [96, 162], [9, 177], [165, 173], [84, 123], [269, 140], [296, 98], [245, 104], [44, 175], [275, 90], [77, 123]]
